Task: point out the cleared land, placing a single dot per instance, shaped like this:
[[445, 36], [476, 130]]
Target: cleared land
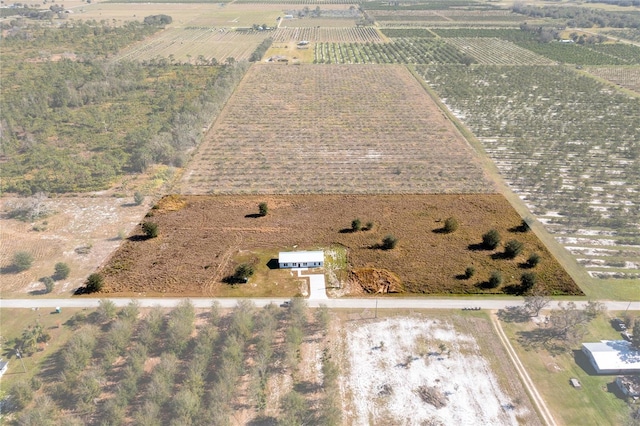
[[197, 45], [203, 238], [333, 129], [627, 77], [80, 231], [424, 370]]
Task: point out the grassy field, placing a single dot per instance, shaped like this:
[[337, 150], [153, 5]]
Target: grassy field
[[299, 129], [192, 259], [595, 403]]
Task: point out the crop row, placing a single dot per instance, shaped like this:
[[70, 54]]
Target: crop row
[[632, 34], [566, 143], [494, 51], [316, 136], [627, 77], [310, 2], [327, 34], [627, 53], [400, 51], [186, 44], [407, 32]]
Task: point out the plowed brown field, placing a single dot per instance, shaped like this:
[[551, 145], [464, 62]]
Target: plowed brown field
[[203, 239]]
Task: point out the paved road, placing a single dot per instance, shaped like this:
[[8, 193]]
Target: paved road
[[347, 303]]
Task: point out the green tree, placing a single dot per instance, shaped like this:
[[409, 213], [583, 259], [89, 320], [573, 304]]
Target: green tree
[[356, 225], [107, 310], [150, 229], [263, 208], [495, 279], [48, 284], [491, 239], [94, 283], [635, 336], [513, 248], [22, 260], [243, 272], [450, 225], [469, 272], [527, 281], [389, 242], [180, 326], [61, 271], [533, 260], [294, 410]]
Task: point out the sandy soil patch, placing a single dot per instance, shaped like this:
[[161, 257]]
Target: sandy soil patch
[[392, 359], [90, 222]]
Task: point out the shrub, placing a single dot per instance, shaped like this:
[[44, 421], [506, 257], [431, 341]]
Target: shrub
[[94, 283], [469, 272], [61, 271], [450, 225], [533, 260], [138, 198], [524, 225], [356, 225], [368, 226], [48, 284], [491, 239], [150, 229], [22, 261], [495, 279], [243, 272], [513, 248], [389, 242], [527, 281], [263, 208]]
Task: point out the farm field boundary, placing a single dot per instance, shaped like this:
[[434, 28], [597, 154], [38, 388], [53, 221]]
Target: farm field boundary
[[508, 164], [299, 129]]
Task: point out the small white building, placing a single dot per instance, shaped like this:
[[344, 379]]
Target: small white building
[[301, 259], [613, 357]]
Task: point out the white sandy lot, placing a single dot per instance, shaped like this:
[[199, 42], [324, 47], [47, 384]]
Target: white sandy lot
[[411, 356]]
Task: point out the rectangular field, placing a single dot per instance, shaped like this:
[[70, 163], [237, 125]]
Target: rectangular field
[[333, 129], [627, 77], [315, 34], [202, 239], [494, 51], [197, 45]]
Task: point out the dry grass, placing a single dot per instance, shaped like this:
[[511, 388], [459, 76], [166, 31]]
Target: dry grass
[[202, 243]]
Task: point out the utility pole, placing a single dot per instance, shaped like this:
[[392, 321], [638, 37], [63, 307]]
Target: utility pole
[[21, 361]]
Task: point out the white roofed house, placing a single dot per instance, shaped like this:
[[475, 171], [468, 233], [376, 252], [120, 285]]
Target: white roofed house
[[613, 357], [301, 259]]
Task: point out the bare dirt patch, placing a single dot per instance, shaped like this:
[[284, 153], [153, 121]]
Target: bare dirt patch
[[419, 370], [203, 242]]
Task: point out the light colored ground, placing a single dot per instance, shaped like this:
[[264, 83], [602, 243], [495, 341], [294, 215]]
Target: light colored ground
[[87, 221], [391, 358]]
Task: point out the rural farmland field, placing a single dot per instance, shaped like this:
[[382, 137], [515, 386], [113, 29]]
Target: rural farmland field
[[313, 34], [567, 144], [627, 77], [333, 129], [494, 51], [202, 239], [195, 45]]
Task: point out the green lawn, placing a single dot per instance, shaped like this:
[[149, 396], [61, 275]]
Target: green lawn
[[594, 404]]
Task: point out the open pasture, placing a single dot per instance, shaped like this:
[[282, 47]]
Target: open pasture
[[494, 51], [567, 144], [202, 239], [399, 51], [334, 35], [195, 45], [334, 129], [627, 77], [218, 15]]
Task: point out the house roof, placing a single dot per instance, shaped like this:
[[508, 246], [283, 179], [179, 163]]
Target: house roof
[[614, 355], [300, 256]]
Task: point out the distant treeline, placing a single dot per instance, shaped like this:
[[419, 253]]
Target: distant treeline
[[158, 20], [580, 17], [624, 3]]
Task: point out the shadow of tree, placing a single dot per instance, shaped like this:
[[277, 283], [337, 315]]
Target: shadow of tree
[[542, 337], [516, 314]]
